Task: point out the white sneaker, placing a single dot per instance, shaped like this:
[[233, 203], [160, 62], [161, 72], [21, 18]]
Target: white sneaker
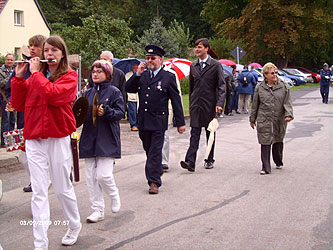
[[95, 216], [115, 204], [278, 167], [71, 236]]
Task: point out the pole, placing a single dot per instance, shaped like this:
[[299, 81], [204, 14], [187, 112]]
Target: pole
[[237, 48], [80, 76]]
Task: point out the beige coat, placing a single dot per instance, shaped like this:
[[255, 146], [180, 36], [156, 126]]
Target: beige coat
[[269, 109]]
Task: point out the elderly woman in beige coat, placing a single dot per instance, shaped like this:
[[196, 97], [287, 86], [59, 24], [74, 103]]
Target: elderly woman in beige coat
[[271, 111]]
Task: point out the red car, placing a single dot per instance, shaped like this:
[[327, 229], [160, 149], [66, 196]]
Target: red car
[[315, 76]]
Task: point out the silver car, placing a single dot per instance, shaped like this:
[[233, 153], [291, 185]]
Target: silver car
[[306, 77], [282, 78]]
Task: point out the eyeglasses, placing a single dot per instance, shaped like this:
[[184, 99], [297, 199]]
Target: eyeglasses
[[274, 73], [150, 58], [97, 72]]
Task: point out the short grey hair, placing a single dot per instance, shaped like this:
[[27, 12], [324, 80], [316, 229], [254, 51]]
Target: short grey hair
[[267, 67], [109, 53]]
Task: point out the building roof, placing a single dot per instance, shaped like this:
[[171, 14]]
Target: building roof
[[4, 2]]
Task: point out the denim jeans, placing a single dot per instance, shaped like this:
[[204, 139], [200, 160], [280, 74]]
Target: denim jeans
[[132, 113]]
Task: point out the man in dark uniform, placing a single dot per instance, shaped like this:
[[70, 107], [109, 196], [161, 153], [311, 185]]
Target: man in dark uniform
[[207, 96], [155, 87], [325, 76]]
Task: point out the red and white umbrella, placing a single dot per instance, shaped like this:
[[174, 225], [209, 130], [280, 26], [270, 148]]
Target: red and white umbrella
[[180, 66], [227, 62]]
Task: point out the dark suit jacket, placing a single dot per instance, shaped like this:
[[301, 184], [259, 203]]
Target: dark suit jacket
[[154, 95], [118, 80], [207, 90]]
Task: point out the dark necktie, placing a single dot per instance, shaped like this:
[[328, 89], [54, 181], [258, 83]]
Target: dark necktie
[[202, 65], [151, 75]]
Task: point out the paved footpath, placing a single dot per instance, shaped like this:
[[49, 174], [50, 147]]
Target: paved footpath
[[228, 207]]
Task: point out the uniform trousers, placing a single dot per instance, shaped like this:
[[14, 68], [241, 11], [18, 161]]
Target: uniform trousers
[[324, 91], [153, 143], [277, 152], [191, 154], [50, 157], [99, 178], [244, 103], [166, 148]]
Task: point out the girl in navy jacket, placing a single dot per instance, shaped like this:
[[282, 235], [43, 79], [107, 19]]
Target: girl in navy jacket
[[100, 145]]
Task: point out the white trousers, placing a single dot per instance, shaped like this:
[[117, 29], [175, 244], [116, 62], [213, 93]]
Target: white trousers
[[99, 178], [165, 149], [47, 158], [22, 157]]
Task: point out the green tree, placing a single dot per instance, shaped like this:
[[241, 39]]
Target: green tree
[[96, 34], [182, 36], [277, 30], [157, 34]]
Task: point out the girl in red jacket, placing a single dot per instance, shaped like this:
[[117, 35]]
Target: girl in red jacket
[[46, 98]]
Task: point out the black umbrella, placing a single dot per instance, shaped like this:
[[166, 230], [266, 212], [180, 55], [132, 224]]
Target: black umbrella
[[126, 64]]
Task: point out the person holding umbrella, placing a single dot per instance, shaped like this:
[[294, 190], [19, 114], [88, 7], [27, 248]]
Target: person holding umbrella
[[207, 96], [271, 111]]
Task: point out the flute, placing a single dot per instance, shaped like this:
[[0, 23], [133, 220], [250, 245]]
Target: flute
[[50, 60]]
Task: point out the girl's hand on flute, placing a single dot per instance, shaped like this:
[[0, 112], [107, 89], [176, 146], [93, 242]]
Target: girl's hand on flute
[[34, 65], [20, 69]]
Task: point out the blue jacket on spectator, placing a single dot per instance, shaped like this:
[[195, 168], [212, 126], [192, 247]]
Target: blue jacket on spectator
[[251, 82]]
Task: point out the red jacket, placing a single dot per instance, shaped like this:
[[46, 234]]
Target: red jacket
[[47, 105]]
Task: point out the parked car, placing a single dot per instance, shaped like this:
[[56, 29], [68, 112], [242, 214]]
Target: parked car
[[283, 78], [307, 77], [315, 76], [296, 80]]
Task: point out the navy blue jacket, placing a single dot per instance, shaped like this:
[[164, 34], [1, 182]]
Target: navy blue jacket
[[104, 139], [323, 74], [251, 82], [154, 95]]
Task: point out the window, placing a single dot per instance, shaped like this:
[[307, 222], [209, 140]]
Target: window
[[18, 17], [17, 52]]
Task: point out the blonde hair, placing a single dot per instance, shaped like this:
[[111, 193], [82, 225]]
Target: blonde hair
[[267, 67]]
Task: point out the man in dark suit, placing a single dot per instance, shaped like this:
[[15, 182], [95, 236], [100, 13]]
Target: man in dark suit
[[155, 87], [118, 77], [207, 96]]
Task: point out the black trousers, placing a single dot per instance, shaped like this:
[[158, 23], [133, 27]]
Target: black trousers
[[227, 101], [191, 154], [277, 151], [152, 142]]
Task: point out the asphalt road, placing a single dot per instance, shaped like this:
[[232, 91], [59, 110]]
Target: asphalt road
[[228, 207]]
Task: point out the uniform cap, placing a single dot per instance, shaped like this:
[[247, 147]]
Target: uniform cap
[[152, 49]]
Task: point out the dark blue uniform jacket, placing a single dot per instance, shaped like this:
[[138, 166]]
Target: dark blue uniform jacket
[[104, 139], [154, 95]]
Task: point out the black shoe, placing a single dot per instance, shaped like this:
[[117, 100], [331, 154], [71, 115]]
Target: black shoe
[[209, 165], [165, 167], [27, 189], [187, 165], [230, 114], [237, 112]]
